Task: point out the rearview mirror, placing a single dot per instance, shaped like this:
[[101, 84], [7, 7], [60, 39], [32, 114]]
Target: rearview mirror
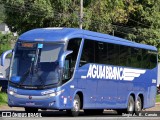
[[3, 56], [61, 63]]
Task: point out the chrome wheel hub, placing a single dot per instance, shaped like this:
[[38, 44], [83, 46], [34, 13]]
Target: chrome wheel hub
[[76, 105]]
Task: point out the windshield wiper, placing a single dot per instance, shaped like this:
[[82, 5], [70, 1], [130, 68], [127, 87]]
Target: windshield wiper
[[36, 60], [26, 74], [35, 68]]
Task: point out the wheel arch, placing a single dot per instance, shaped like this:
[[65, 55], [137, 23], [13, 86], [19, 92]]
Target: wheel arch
[[130, 94], [133, 95], [142, 98], [81, 96]]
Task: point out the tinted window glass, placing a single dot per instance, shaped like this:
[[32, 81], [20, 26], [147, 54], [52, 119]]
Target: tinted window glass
[[136, 55], [101, 52], [145, 59], [153, 59], [88, 51], [113, 54], [124, 56], [120, 55], [70, 61]]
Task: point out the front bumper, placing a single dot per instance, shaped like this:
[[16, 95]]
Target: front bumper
[[34, 101]]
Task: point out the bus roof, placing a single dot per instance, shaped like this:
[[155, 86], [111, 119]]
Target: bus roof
[[63, 34]]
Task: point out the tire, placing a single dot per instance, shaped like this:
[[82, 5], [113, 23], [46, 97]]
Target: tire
[[131, 105], [31, 110], [138, 106], [76, 107], [93, 111]]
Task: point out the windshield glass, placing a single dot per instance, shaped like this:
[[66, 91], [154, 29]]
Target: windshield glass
[[36, 64]]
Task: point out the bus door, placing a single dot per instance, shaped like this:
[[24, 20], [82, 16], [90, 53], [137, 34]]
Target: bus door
[[70, 63]]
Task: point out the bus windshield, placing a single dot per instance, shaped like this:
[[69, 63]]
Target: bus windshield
[[36, 65]]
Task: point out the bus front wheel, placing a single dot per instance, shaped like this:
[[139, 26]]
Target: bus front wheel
[[76, 107]]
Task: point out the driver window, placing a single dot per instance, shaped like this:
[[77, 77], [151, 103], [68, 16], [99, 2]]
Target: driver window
[[70, 61]]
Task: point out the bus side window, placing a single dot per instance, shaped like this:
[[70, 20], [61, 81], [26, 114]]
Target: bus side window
[[70, 62], [113, 54], [124, 56], [101, 52], [145, 59], [153, 60], [136, 57], [88, 52]]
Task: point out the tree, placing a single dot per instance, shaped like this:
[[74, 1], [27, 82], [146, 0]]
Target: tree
[[23, 15], [5, 41], [144, 22], [2, 13]]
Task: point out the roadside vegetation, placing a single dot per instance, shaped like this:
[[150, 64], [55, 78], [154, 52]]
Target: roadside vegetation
[[158, 98], [3, 98]]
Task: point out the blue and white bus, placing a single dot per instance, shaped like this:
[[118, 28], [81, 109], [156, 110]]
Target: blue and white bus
[[72, 69]]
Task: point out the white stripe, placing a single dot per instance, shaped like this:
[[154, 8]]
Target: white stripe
[[128, 78], [83, 77], [132, 74], [127, 70]]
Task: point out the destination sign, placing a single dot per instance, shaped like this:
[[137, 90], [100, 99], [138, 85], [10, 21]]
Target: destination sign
[[28, 45]]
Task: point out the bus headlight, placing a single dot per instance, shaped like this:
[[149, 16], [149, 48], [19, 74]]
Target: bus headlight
[[55, 93], [52, 94], [11, 92]]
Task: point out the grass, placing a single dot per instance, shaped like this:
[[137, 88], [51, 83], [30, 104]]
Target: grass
[[3, 98], [158, 98]]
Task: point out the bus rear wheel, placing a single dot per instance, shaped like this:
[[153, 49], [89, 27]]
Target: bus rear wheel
[[138, 106], [130, 106], [31, 110], [76, 107]]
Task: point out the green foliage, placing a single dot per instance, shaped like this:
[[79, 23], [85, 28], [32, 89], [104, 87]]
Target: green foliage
[[145, 19], [3, 98], [2, 15], [23, 15], [5, 42], [158, 98]]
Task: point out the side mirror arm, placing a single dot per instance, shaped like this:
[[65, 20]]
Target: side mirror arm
[[3, 56], [63, 58]]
